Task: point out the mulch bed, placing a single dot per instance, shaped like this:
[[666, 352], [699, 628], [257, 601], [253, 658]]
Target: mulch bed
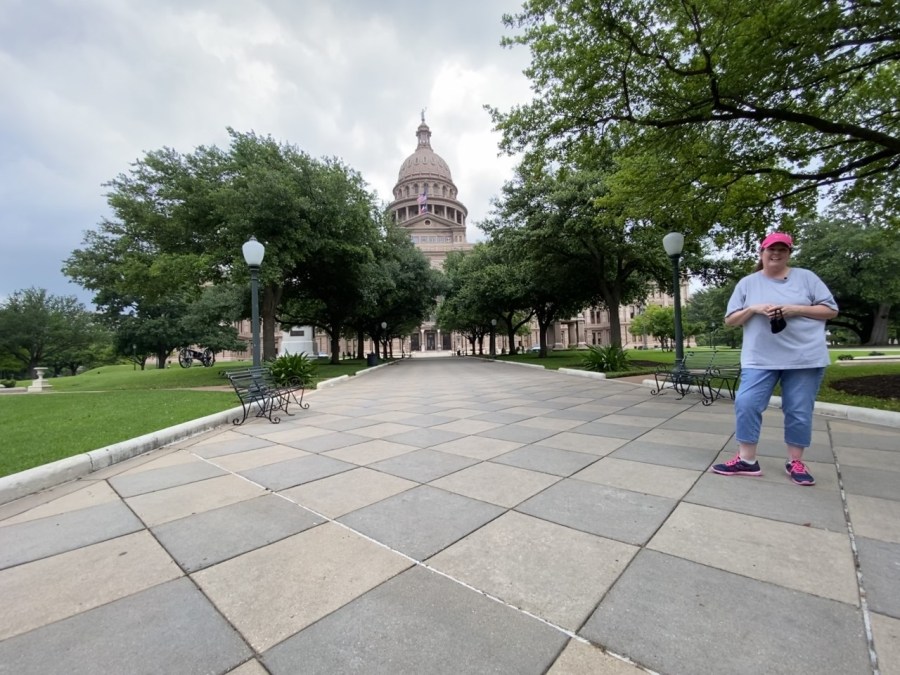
[[878, 386]]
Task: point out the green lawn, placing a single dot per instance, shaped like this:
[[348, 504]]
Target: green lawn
[[115, 403], [572, 359], [112, 404]]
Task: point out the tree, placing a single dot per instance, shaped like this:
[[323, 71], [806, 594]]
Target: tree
[[37, 328], [856, 252], [706, 311], [798, 91], [571, 217]]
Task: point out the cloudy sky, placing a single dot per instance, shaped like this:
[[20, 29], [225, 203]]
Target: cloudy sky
[[88, 86]]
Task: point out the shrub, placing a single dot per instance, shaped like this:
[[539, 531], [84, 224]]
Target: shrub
[[610, 358], [845, 357], [876, 353], [295, 369], [8, 384]]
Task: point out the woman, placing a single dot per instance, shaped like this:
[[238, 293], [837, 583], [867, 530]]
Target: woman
[[783, 311]]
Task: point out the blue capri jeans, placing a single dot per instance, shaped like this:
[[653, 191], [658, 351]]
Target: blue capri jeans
[[798, 396]]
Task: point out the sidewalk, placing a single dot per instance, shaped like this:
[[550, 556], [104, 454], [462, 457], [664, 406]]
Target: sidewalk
[[463, 516]]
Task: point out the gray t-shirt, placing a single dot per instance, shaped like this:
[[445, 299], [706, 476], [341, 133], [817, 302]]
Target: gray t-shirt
[[802, 343]]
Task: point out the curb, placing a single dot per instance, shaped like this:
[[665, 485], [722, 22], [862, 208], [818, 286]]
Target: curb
[[885, 418], [39, 478], [18, 485]]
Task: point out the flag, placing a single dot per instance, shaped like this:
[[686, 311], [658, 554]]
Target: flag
[[421, 201]]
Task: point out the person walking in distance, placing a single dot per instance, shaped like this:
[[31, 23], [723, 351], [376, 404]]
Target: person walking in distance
[[783, 311]]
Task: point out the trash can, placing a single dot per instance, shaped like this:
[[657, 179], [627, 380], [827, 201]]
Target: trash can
[[371, 359]]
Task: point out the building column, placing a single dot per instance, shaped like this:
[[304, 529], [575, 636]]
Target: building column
[[581, 342], [556, 327], [421, 339]]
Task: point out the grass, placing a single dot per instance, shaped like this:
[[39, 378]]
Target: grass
[[41, 429], [111, 404], [572, 359], [114, 403]]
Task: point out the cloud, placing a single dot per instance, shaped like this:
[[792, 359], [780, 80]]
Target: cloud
[[89, 87]]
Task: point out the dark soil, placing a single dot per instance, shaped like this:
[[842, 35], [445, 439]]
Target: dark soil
[[878, 386]]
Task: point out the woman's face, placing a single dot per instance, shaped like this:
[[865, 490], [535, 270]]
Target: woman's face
[[775, 258]]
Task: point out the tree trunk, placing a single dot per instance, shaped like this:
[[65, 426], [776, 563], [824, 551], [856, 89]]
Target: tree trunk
[[335, 347], [879, 334]]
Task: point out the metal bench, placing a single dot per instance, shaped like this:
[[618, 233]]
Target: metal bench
[[257, 390], [724, 372], [683, 376]]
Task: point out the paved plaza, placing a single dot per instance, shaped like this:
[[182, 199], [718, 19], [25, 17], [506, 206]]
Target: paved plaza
[[457, 516]]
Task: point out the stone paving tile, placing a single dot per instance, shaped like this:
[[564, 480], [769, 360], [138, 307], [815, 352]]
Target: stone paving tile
[[427, 420], [699, 440], [370, 451], [586, 443], [208, 538], [801, 558], [252, 667], [155, 508], [293, 472], [227, 447], [500, 417], [287, 432], [131, 484], [422, 521], [871, 459], [424, 437], [875, 518], [691, 421], [602, 428], [667, 455], [330, 441], [81, 579], [35, 539], [551, 571], [570, 414], [671, 629], [609, 512], [250, 459], [651, 479], [466, 426], [549, 460], [342, 493], [518, 433], [886, 631], [384, 429], [868, 438], [477, 447], [175, 458], [778, 499], [89, 493], [423, 465], [643, 421], [581, 658], [171, 628], [870, 482], [275, 591], [879, 562], [420, 622], [495, 483]]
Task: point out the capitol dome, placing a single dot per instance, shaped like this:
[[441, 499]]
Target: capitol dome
[[424, 162]]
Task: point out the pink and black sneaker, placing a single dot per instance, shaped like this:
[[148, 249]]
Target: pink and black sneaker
[[737, 467], [798, 472]]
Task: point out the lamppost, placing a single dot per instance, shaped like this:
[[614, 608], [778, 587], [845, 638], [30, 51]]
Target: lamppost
[[134, 357], [493, 338], [674, 244], [253, 256], [384, 339]]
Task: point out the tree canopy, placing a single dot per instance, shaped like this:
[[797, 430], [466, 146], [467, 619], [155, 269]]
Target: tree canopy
[[802, 94]]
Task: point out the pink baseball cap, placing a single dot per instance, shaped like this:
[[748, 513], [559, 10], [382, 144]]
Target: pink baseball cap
[[778, 238]]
